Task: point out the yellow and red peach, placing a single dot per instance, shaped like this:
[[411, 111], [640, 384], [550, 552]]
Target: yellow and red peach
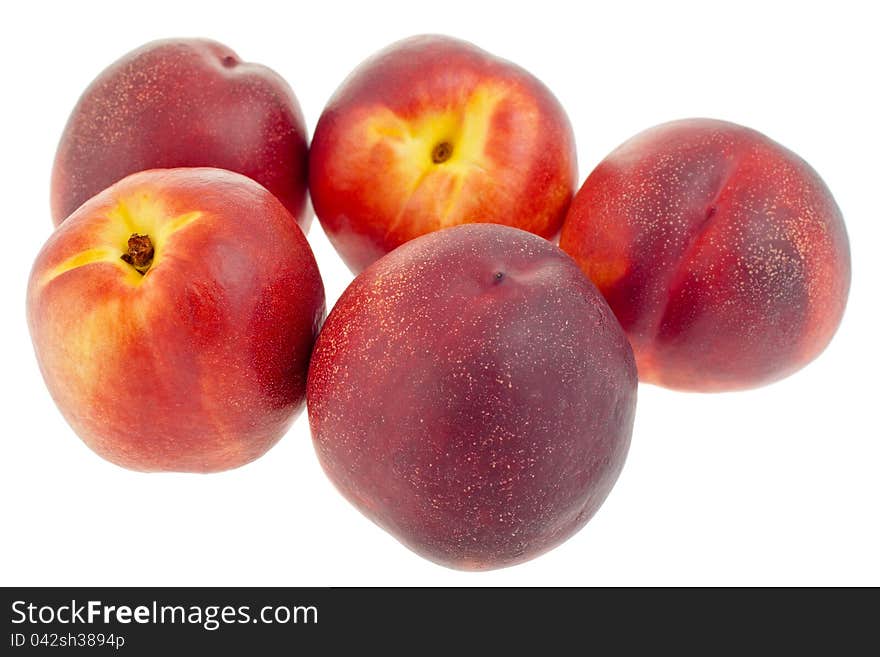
[[722, 253], [472, 393], [183, 103], [173, 316], [433, 132]]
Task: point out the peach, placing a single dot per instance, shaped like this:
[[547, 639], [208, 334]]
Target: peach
[[173, 316], [472, 393], [434, 132], [183, 103], [722, 253]]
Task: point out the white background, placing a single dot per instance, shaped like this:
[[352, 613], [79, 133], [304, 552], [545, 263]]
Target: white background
[[775, 486]]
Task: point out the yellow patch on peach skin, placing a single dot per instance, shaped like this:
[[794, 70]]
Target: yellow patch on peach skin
[[79, 341], [81, 259], [91, 337], [466, 129], [412, 143], [142, 213]]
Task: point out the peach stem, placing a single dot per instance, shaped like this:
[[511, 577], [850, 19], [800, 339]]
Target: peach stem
[[140, 252], [442, 152]]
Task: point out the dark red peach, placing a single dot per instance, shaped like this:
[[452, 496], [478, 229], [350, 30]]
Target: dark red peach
[[472, 393], [722, 253], [183, 103]]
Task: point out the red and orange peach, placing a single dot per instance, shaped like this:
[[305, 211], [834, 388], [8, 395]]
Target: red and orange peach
[[173, 316], [434, 132]]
